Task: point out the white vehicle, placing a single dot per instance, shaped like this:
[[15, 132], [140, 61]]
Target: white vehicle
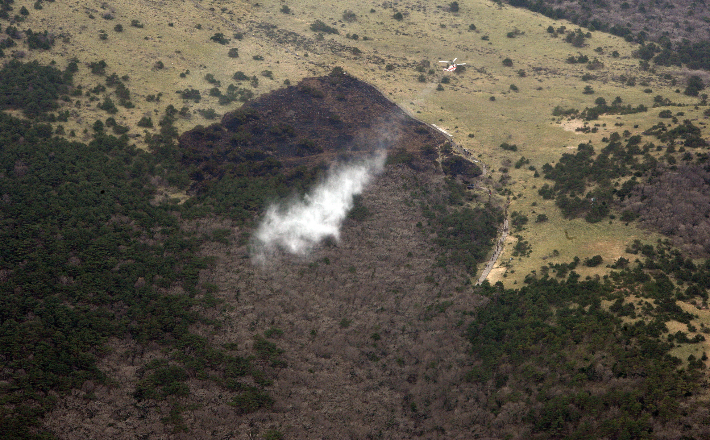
[[452, 65]]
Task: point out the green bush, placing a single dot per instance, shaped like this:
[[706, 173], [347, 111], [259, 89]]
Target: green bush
[[320, 26]]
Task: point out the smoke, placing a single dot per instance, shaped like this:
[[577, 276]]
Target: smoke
[[298, 226]]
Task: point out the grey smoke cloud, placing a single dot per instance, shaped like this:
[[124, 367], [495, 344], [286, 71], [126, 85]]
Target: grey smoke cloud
[[296, 227]]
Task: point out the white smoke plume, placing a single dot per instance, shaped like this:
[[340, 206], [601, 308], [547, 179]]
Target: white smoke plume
[[298, 226]]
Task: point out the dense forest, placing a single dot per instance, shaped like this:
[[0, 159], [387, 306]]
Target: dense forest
[[87, 257], [569, 358]]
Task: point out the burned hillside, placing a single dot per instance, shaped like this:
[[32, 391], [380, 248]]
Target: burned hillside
[[371, 320], [319, 120]]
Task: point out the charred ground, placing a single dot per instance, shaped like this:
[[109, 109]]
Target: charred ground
[[318, 121]]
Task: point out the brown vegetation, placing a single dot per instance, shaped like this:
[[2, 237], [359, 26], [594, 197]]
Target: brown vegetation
[[371, 325], [677, 203]]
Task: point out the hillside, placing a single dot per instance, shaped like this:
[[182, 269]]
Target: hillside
[[674, 21], [150, 152]]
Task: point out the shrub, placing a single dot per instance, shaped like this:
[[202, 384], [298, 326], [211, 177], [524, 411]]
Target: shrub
[[190, 94], [319, 26], [398, 16], [239, 76], [98, 67], [233, 53], [694, 86], [219, 38], [146, 122], [349, 16], [209, 113], [594, 261], [108, 106]]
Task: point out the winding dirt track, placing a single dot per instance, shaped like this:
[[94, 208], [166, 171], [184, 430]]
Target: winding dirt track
[[499, 250], [500, 243]]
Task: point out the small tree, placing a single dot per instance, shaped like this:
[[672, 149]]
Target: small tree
[[319, 26], [349, 16], [219, 38], [694, 86]]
